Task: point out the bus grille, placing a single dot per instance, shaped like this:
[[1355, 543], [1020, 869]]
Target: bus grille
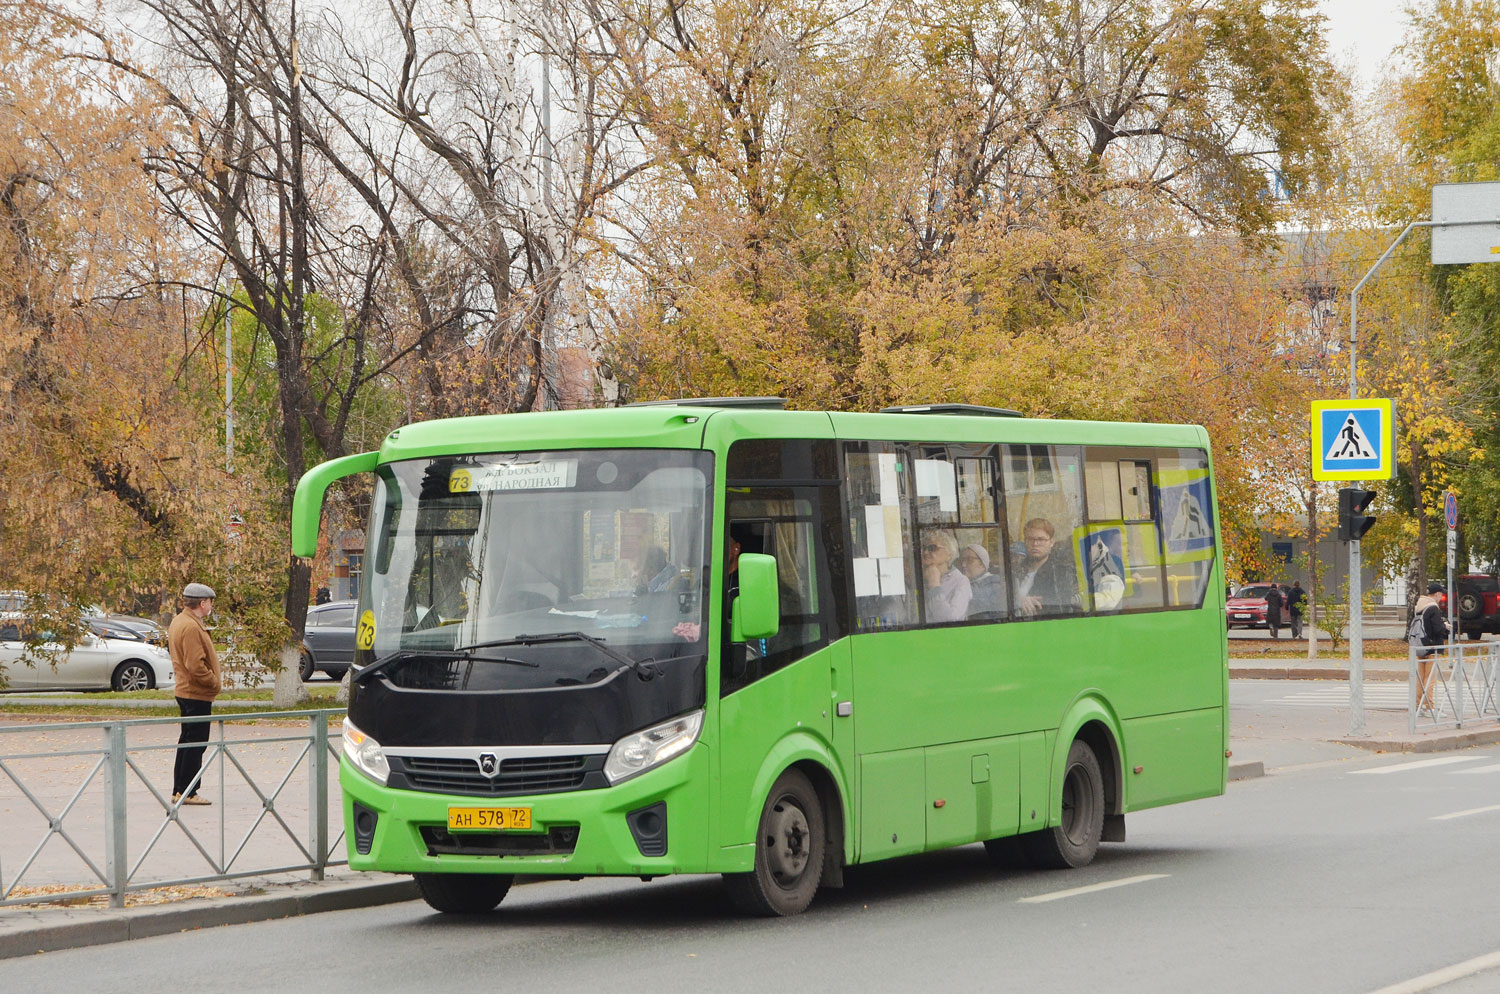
[[530, 775]]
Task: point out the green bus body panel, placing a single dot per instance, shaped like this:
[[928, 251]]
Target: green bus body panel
[[891, 819], [773, 723], [957, 734], [605, 846], [1179, 757], [307, 504]]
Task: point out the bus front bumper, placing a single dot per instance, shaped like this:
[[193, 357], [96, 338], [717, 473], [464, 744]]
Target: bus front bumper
[[573, 833]]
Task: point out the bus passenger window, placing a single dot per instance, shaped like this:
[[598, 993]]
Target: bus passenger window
[[879, 513], [1044, 509], [1187, 524]]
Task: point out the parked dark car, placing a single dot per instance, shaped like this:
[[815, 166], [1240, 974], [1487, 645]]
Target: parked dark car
[[328, 642], [1478, 604], [125, 626]]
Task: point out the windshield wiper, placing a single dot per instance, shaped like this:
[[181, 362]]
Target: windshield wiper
[[402, 655], [646, 668]]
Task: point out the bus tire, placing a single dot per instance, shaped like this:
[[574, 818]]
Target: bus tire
[[463, 893], [789, 848], [1074, 842]]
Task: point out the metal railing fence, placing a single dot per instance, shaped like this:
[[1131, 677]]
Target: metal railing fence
[[110, 805], [1454, 685]]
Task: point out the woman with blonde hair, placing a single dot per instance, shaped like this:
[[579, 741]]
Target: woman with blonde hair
[[947, 591]]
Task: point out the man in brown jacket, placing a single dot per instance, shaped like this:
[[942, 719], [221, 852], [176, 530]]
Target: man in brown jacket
[[195, 670]]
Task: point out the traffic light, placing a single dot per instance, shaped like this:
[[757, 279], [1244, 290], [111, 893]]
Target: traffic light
[[1353, 521]]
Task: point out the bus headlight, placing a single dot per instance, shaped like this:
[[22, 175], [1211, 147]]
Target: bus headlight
[[640, 751], [365, 753]]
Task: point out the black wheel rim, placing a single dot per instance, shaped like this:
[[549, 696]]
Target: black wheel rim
[[1077, 806], [787, 842]]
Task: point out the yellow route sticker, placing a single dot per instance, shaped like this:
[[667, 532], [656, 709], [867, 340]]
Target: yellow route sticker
[[364, 635], [459, 482]]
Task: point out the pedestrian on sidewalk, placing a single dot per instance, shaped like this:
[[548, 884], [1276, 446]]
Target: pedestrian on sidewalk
[[197, 681], [1273, 611], [1429, 628], [1295, 598]]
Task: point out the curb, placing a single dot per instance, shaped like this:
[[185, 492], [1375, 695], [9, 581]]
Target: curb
[[119, 925], [1444, 743], [1311, 673]]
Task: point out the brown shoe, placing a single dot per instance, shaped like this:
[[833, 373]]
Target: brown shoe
[[195, 799], [176, 798]]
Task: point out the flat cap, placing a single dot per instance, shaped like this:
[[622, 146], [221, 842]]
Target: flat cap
[[198, 590]]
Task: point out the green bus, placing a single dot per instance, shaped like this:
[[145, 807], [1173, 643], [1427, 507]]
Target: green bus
[[717, 636]]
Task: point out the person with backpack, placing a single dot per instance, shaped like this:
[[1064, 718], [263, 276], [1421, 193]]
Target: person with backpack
[[1428, 628]]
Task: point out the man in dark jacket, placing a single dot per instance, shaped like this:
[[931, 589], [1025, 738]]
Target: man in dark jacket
[[1295, 598], [1273, 611]]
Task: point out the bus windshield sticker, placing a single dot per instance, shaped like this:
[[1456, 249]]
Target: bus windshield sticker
[[892, 578], [550, 474], [890, 492], [875, 543], [364, 635], [935, 478]]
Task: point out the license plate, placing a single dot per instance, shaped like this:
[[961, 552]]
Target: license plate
[[1242, 616], [488, 819]]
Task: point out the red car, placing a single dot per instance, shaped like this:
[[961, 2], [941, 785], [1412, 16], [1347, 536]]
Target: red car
[[1247, 607]]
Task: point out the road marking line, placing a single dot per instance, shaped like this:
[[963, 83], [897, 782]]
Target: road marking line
[[1492, 768], [1447, 975], [1091, 888], [1461, 814], [1421, 763]]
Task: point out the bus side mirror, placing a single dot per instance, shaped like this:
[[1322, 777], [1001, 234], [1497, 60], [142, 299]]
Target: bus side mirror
[[307, 503], [756, 613]]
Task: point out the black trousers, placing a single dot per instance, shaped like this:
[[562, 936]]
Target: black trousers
[[189, 747]]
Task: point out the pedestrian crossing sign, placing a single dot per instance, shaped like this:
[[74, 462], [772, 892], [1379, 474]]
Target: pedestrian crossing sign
[[1353, 440]]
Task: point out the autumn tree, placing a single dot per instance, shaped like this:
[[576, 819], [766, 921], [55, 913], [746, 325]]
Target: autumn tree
[[112, 485]]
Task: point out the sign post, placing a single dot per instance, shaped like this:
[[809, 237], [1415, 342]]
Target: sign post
[[1450, 515], [1354, 440]]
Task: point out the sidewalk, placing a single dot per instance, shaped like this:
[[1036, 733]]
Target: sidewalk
[[25, 931]]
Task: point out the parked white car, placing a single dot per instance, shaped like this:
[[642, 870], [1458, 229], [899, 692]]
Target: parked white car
[[93, 664]]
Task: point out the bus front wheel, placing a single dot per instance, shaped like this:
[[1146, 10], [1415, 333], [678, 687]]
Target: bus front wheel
[[1075, 841], [789, 848], [463, 893]]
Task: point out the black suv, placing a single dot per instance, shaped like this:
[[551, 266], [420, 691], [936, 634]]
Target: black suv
[[1478, 604]]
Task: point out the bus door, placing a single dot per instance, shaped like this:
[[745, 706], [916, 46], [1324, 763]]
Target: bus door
[[783, 687]]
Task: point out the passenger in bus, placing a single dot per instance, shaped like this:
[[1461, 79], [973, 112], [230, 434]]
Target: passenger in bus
[[947, 590], [1046, 582], [989, 600]]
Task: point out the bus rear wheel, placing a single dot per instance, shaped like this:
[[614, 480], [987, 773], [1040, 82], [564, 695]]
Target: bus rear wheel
[[789, 846], [1075, 841], [463, 893]]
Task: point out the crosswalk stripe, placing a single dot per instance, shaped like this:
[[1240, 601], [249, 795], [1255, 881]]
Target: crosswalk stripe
[[1492, 768], [1419, 764]]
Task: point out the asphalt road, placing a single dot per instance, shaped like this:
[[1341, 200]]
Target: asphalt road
[[1340, 877]]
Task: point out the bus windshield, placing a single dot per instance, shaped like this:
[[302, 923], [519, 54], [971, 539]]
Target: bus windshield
[[571, 562]]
